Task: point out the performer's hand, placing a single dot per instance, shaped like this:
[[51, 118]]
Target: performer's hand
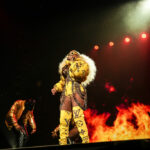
[[20, 129], [33, 131], [54, 134], [53, 91]]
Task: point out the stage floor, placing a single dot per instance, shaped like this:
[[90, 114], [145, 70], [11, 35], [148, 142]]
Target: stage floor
[[115, 145]]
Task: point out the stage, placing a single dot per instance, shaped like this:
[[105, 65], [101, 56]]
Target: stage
[[117, 145], [109, 71]]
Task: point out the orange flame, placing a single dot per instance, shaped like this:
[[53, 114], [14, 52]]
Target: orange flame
[[131, 123]]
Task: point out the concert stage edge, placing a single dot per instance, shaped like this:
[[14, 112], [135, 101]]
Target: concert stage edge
[[117, 145]]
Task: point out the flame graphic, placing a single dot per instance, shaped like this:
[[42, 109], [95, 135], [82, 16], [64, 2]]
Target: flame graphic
[[131, 123]]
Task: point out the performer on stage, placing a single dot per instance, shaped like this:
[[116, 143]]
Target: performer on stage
[[76, 71], [17, 119]]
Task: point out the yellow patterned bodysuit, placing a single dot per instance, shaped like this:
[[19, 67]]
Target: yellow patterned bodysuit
[[73, 98]]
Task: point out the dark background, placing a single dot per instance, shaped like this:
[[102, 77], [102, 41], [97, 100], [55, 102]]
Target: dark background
[[36, 35]]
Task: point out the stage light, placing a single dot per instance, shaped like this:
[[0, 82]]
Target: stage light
[[143, 36], [145, 4], [109, 87], [127, 39], [138, 18], [111, 44], [112, 89], [131, 79], [96, 47]]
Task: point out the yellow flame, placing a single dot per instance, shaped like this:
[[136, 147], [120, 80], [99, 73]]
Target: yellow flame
[[130, 123]]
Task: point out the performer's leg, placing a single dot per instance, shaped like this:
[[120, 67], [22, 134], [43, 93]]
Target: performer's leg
[[74, 135], [10, 137], [65, 117], [78, 116], [22, 139]]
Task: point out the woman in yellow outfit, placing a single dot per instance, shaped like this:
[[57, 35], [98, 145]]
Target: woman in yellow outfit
[[76, 71]]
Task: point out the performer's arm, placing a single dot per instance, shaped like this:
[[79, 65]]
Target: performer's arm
[[55, 132], [13, 116], [60, 85], [32, 122]]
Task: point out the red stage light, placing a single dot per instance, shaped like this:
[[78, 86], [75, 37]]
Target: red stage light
[[96, 47], [111, 44], [127, 40], [110, 88], [131, 79], [143, 35]]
